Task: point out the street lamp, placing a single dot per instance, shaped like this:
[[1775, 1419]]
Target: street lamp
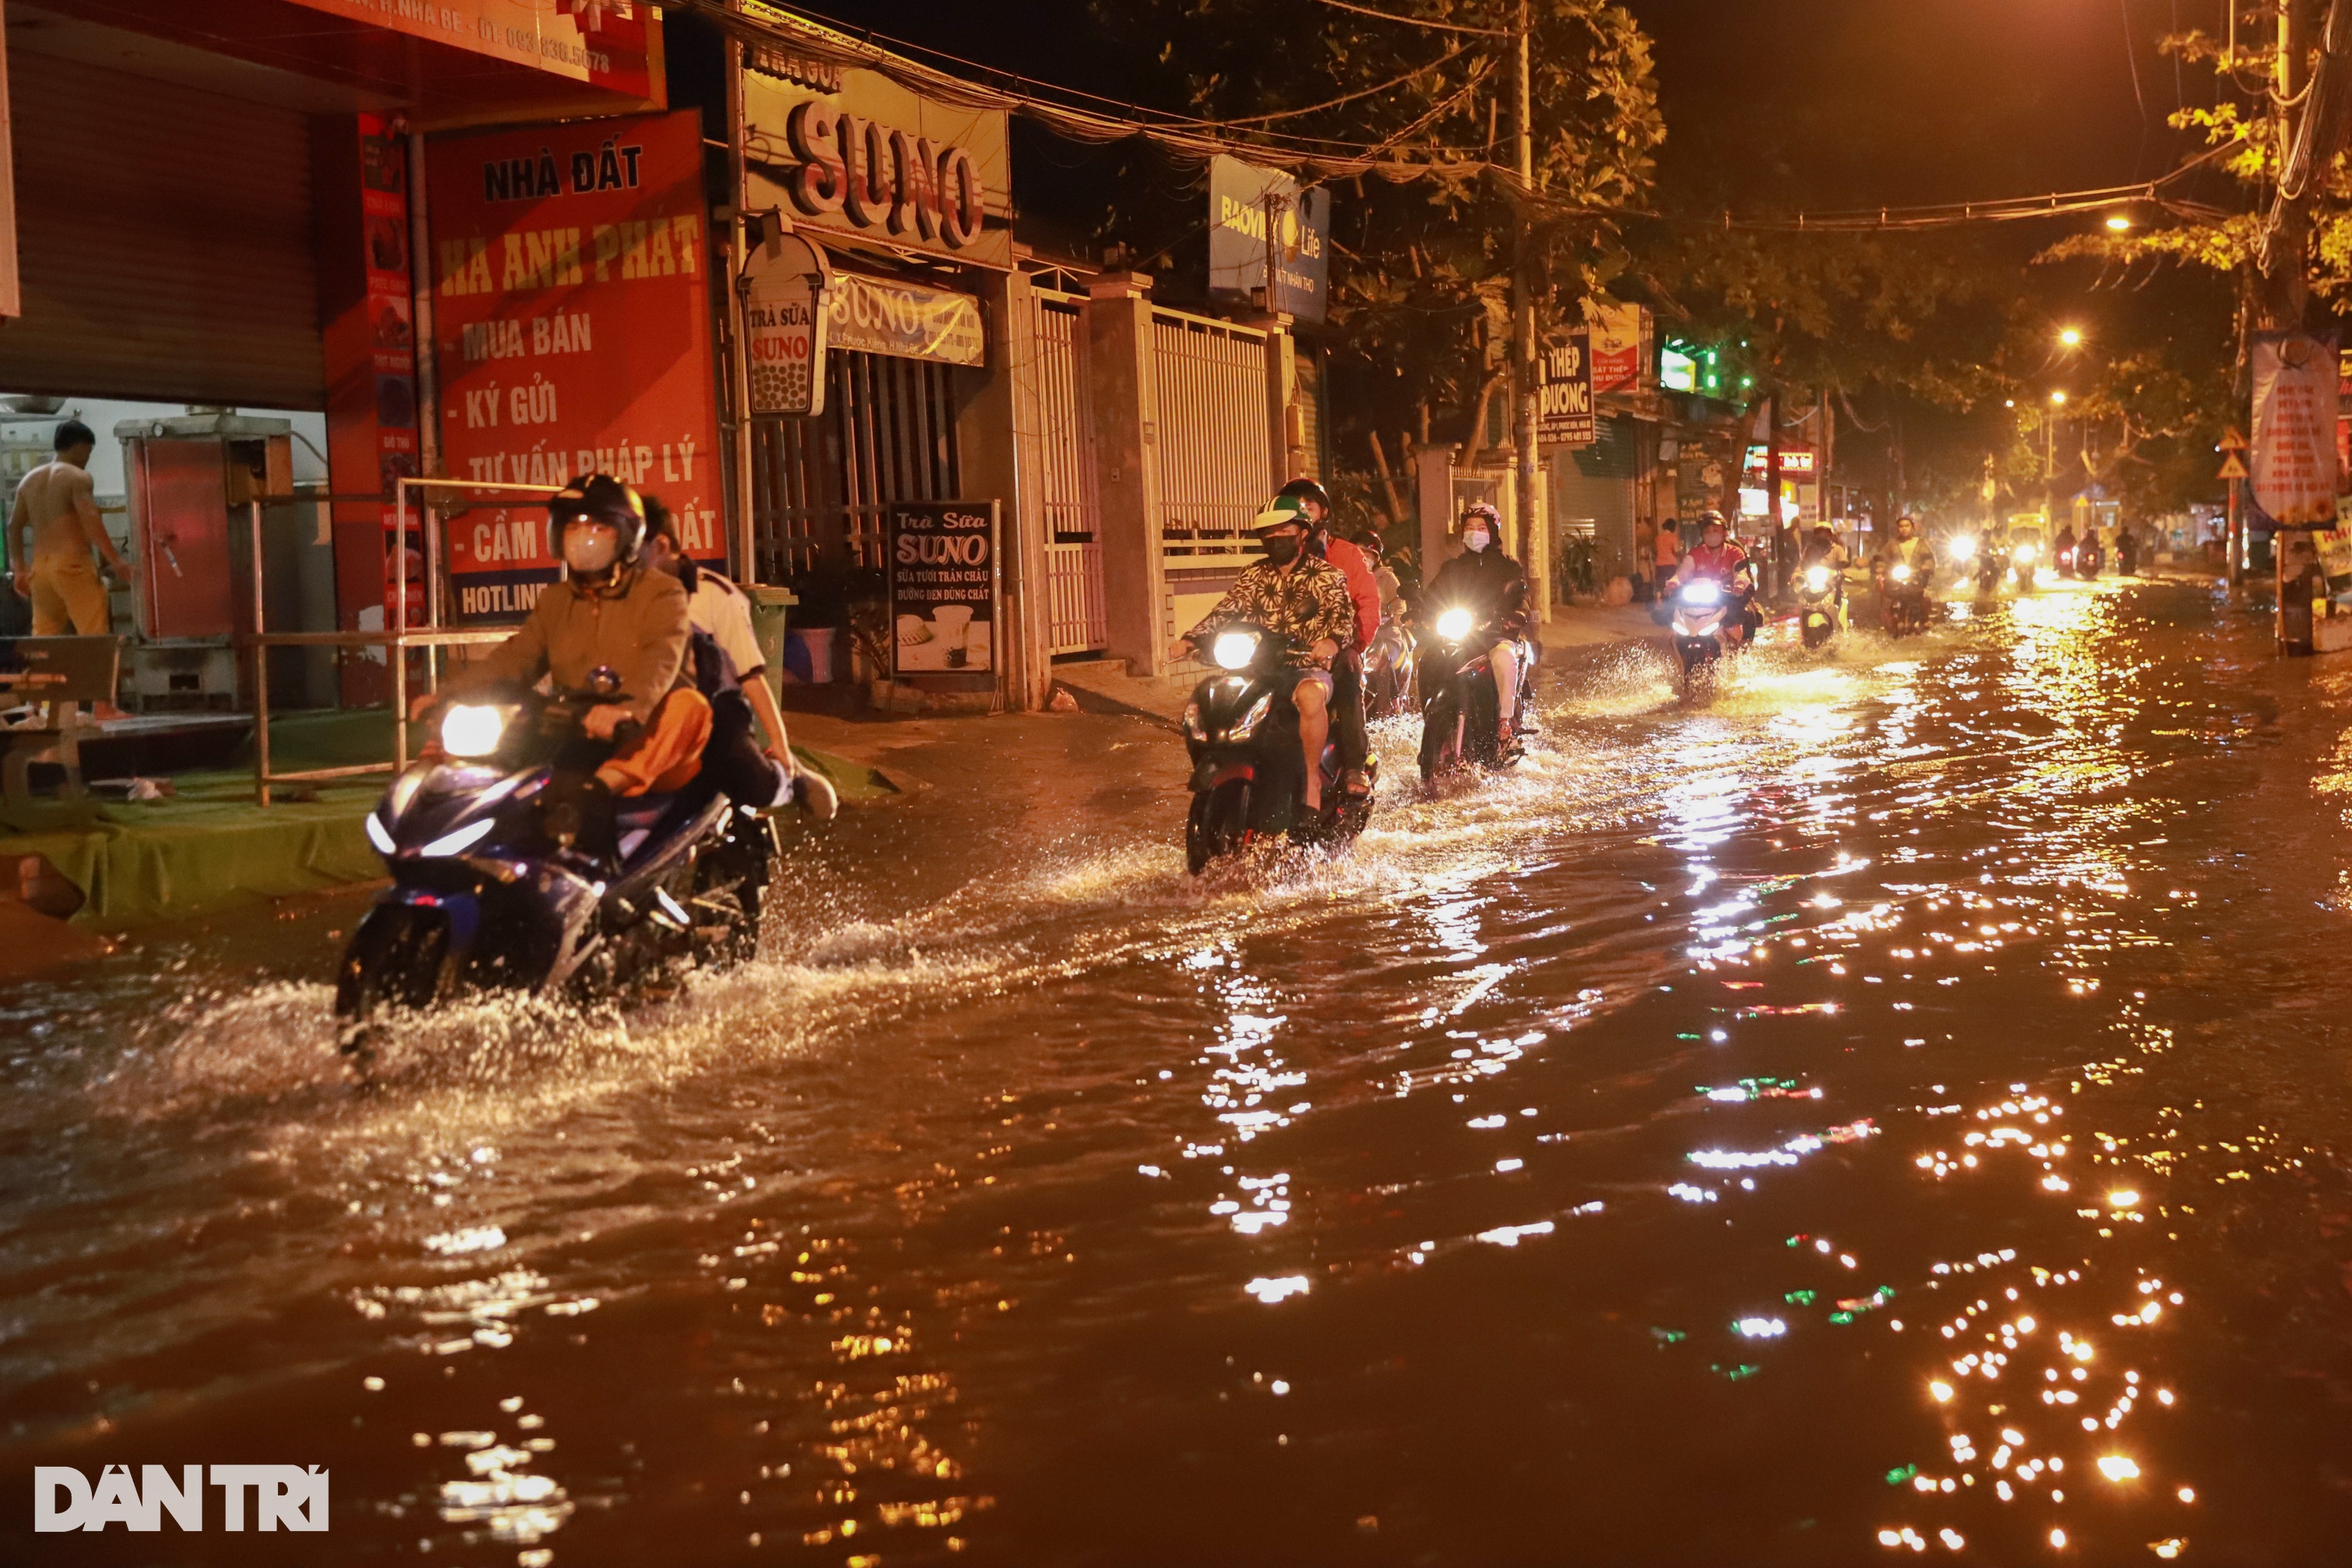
[[2119, 223], [2050, 439], [2071, 337]]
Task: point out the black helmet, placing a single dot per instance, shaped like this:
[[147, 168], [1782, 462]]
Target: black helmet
[[1307, 489], [600, 498]]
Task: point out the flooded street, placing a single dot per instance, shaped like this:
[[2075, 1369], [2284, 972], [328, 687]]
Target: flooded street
[[1898, 1108]]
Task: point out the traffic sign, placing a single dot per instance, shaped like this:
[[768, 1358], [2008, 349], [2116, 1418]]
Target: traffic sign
[[2233, 442], [2232, 469]]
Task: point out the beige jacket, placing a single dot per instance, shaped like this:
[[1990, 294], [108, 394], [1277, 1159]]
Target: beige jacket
[[637, 624]]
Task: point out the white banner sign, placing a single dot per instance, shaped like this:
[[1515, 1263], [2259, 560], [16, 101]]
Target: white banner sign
[[2295, 428], [880, 316], [784, 323]]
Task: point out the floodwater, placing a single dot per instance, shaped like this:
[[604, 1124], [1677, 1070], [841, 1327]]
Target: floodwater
[[1895, 1109]]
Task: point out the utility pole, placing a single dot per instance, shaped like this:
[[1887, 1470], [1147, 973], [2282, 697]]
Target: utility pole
[[2289, 294], [1534, 537]]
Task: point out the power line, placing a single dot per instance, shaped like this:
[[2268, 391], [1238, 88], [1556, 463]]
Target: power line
[[1450, 54], [1418, 21]]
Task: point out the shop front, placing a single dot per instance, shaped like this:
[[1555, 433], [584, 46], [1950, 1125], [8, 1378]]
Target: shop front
[[216, 221]]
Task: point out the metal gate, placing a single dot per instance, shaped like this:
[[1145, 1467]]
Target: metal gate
[[1065, 477], [820, 486], [1214, 459]]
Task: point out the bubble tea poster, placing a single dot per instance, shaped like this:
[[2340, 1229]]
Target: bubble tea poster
[[944, 588]]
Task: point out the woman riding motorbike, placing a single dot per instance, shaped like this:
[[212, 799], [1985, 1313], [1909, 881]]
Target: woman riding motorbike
[[1494, 587]]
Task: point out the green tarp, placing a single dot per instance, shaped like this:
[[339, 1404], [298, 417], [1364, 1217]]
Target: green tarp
[[211, 849]]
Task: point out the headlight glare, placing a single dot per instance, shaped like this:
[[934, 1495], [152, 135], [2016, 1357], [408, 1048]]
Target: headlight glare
[[1818, 579], [1700, 591], [1454, 624], [471, 730], [1233, 650], [1901, 573]]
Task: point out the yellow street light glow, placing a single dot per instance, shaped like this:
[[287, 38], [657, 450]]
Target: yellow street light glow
[[2116, 1467], [1942, 1391], [2123, 1198], [2119, 223], [2057, 398], [2071, 336]]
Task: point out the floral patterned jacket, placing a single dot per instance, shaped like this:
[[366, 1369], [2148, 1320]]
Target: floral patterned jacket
[[1305, 603]]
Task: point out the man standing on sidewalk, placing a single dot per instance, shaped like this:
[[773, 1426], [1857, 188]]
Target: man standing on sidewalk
[[53, 531]]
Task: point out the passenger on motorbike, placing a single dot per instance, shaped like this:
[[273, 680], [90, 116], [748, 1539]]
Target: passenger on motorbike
[[1494, 587], [1301, 598], [1721, 560], [729, 668], [1348, 669], [1908, 547], [607, 610]]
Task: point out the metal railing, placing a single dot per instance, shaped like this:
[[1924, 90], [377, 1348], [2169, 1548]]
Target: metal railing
[[395, 640]]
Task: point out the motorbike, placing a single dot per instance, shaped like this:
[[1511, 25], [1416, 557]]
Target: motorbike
[[2025, 565], [1818, 594], [1701, 605], [488, 895], [1904, 591], [2065, 559], [1969, 554], [2090, 558], [1460, 701], [1392, 671], [1248, 778]]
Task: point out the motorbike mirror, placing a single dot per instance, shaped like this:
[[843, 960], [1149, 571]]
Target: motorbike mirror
[[605, 681]]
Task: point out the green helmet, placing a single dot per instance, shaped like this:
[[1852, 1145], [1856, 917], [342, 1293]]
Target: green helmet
[[1283, 510]]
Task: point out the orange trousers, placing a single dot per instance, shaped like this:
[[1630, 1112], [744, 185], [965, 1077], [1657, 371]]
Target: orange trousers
[[668, 755]]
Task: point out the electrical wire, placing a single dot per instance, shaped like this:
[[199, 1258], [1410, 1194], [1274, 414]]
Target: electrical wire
[[1418, 21], [1453, 53]]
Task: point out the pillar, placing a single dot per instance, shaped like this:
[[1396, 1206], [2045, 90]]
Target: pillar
[[989, 424], [1119, 342]]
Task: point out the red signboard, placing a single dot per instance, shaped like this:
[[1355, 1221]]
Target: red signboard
[[605, 43], [571, 320]]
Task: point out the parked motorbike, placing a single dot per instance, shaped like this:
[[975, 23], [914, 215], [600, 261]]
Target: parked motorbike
[[1701, 606], [1248, 778], [487, 895], [1460, 700], [1819, 591], [1905, 593], [1392, 671]]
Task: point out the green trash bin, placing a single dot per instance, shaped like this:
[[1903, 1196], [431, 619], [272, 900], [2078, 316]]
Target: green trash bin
[[768, 607]]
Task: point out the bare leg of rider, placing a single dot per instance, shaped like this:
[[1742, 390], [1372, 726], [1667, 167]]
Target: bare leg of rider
[[1503, 658], [1314, 728]]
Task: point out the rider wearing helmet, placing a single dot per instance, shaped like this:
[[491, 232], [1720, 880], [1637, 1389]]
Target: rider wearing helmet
[[608, 609], [1303, 599], [1347, 668], [1494, 587], [1908, 547], [1721, 560]]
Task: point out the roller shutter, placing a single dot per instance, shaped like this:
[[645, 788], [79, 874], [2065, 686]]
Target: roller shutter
[[165, 242]]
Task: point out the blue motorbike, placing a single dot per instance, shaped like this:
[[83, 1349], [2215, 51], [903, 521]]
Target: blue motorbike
[[495, 889]]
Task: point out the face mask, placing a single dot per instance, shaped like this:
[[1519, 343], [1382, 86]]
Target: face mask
[[590, 550], [1477, 539], [1281, 550]]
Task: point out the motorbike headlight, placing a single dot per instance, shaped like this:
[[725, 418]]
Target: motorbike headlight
[[2023, 552], [1702, 591], [1455, 624], [1234, 650], [1817, 578], [469, 729], [1901, 573], [1246, 725], [1193, 725], [1964, 550]]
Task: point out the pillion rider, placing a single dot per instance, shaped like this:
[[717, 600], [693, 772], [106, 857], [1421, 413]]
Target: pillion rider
[[1348, 732], [608, 610], [1300, 597]]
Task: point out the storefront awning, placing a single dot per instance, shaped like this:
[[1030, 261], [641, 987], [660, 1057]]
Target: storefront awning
[[450, 63]]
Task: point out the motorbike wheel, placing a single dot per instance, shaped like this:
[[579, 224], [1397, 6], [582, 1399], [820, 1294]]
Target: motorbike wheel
[[399, 957], [725, 907], [1218, 823], [1441, 736], [1479, 743]]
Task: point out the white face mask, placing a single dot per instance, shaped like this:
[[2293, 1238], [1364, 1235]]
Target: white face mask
[[1477, 539], [590, 548]]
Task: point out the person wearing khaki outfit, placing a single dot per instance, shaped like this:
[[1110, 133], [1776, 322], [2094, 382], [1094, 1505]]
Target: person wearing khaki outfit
[[52, 532]]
